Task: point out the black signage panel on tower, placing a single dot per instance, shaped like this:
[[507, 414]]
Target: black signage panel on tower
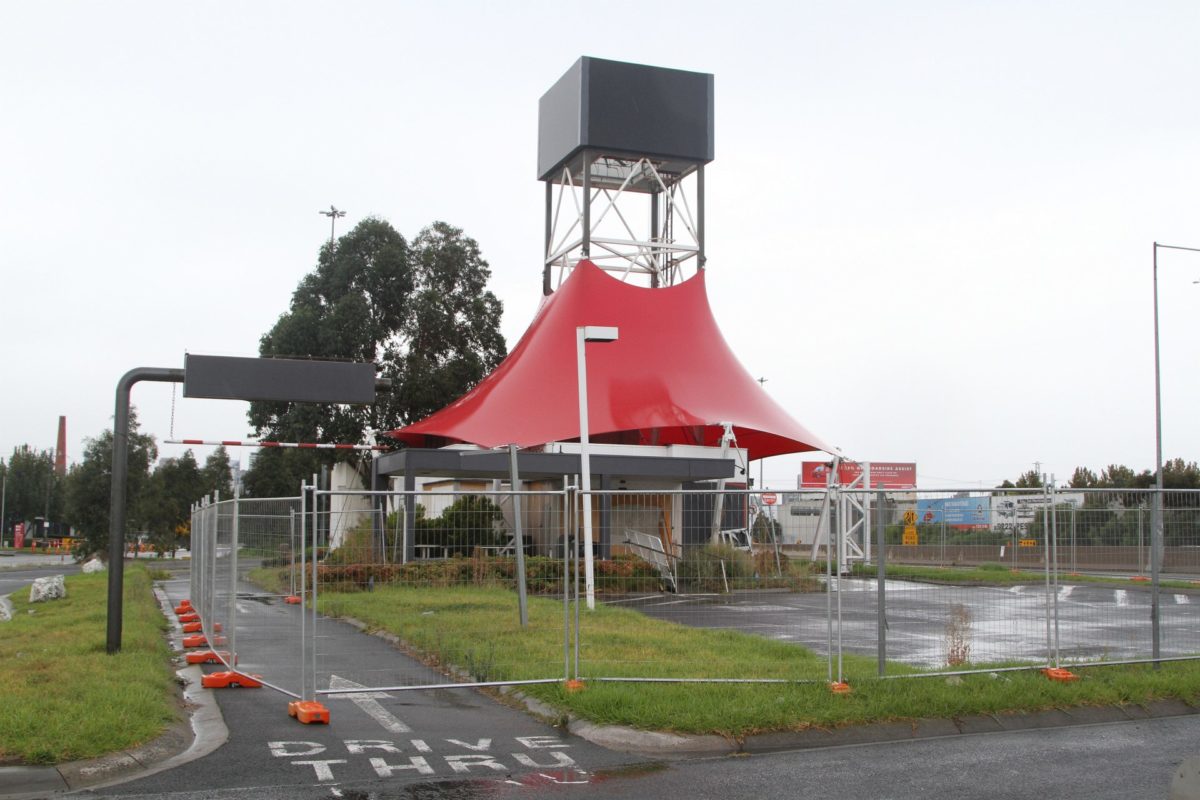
[[619, 108]]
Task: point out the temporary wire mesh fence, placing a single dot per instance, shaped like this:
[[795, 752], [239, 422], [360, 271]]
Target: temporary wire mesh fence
[[971, 581], [247, 622]]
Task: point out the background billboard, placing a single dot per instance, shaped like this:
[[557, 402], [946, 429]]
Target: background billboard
[[893, 475], [956, 512]]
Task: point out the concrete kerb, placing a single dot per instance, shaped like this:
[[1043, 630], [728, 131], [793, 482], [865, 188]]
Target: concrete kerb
[[181, 744], [187, 740]]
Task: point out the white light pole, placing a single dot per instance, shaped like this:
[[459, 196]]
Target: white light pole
[[1156, 533], [583, 334]]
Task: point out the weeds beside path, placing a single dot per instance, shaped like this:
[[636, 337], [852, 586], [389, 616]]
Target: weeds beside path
[[61, 696]]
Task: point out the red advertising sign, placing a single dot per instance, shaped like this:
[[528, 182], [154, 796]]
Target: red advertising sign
[[770, 498], [893, 475], [19, 535]]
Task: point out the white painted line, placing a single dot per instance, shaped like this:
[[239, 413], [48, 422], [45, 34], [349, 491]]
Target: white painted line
[[1182, 599], [1065, 591], [1121, 597], [369, 703], [1017, 589]]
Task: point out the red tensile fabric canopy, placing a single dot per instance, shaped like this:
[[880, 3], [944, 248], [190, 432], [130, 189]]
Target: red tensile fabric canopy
[[670, 378]]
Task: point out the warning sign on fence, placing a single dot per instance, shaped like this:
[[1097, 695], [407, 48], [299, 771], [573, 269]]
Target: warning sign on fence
[[1028, 543], [910, 534]]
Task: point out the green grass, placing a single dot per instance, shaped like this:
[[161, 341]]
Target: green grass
[[1000, 575], [477, 629], [61, 696]]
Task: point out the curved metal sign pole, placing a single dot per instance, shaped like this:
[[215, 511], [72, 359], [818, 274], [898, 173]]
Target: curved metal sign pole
[[116, 506]]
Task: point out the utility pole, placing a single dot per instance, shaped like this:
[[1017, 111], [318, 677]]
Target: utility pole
[[3, 501], [333, 213], [49, 486]]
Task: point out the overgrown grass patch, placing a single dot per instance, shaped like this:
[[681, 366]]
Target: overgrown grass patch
[[61, 696], [477, 629]]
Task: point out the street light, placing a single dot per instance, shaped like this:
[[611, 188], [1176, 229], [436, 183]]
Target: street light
[[1156, 541], [333, 213], [583, 334]]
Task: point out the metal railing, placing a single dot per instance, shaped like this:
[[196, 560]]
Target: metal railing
[[845, 583]]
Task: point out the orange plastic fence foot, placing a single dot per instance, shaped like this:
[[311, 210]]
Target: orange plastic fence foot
[[184, 608], [190, 616], [1139, 579], [1057, 674], [574, 685], [199, 640], [231, 680], [193, 627], [211, 657], [292, 600], [308, 712], [839, 688]]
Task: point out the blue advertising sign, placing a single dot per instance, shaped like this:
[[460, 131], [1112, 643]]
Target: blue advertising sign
[[957, 512]]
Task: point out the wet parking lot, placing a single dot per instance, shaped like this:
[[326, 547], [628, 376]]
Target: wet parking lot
[[1088, 622]]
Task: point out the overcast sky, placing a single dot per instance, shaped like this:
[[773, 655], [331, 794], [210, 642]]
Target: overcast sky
[[929, 225]]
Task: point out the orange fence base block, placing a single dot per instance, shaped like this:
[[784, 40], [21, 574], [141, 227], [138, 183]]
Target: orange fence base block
[[1139, 579], [193, 627], [574, 686], [184, 607], [199, 640], [206, 657], [839, 688], [1056, 674], [308, 712], [231, 680], [190, 616], [292, 600]]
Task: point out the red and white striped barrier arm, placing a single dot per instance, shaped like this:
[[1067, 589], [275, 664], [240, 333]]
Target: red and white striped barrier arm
[[259, 443]]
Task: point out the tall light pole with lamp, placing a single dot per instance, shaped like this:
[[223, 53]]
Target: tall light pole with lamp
[[1157, 532], [333, 213], [583, 335]]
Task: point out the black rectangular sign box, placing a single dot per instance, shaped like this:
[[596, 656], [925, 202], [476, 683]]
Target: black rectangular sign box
[[616, 108], [278, 379]]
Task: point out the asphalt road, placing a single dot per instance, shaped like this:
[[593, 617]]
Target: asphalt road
[[410, 737], [18, 577], [1125, 761]]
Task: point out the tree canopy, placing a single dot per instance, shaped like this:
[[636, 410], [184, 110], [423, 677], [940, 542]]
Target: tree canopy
[[1177, 474], [32, 488], [421, 311], [89, 486]]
